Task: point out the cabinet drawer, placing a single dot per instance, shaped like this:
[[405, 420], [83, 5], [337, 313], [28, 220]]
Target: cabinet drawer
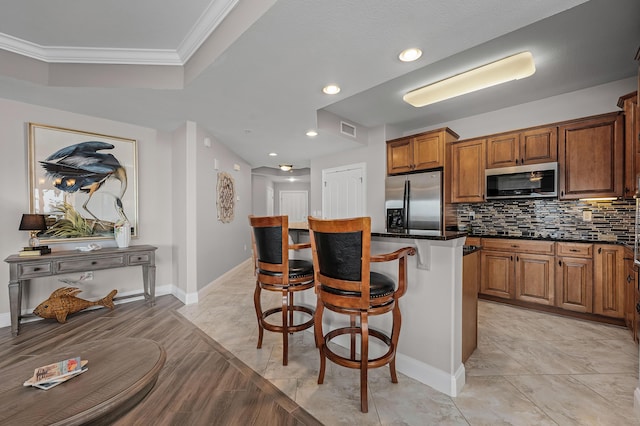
[[574, 249], [472, 241], [513, 245], [139, 258], [89, 264], [34, 270]]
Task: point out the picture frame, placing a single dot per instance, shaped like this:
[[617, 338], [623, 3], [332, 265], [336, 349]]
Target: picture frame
[[83, 182]]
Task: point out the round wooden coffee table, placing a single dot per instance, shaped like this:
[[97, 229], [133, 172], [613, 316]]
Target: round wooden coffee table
[[121, 372]]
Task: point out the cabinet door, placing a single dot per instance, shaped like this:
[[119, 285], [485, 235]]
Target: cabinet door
[[399, 156], [539, 145], [630, 288], [503, 150], [608, 281], [590, 157], [631, 145], [428, 151], [574, 284], [535, 277], [497, 274], [467, 171]]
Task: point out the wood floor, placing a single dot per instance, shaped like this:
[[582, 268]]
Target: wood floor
[[200, 384]]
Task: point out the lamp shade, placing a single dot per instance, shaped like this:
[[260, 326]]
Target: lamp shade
[[32, 222]]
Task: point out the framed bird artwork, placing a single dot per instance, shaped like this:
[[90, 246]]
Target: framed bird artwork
[[84, 183]]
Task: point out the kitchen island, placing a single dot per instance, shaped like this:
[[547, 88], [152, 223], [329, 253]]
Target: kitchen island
[[430, 345]]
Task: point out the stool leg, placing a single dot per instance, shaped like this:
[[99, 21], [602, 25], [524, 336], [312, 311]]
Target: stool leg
[[395, 333], [285, 327], [320, 341], [364, 361], [258, 307], [290, 310], [352, 323]]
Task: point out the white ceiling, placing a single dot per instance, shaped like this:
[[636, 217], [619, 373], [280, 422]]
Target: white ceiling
[[251, 71]]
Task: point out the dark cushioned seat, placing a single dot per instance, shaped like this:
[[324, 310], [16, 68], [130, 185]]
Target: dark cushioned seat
[[297, 268], [380, 285]]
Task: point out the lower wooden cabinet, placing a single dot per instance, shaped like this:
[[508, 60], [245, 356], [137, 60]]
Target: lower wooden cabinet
[[631, 294], [518, 269], [574, 277], [580, 277], [608, 280]]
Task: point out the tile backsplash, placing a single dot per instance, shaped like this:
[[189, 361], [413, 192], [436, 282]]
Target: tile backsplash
[[610, 220]]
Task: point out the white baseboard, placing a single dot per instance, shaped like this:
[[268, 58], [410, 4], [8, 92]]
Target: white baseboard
[[636, 401], [431, 376]]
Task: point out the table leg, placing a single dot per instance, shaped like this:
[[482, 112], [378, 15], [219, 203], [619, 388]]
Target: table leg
[[149, 281], [15, 302]]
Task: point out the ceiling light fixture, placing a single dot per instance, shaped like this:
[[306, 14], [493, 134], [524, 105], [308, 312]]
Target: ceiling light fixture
[[410, 55], [312, 133], [510, 68], [273, 154], [331, 89], [285, 167]]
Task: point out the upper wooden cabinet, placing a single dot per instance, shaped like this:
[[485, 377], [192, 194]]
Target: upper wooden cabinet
[[590, 157], [423, 151], [467, 171], [532, 146], [629, 104]]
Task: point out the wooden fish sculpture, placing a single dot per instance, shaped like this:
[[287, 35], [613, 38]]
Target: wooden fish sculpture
[[63, 302]]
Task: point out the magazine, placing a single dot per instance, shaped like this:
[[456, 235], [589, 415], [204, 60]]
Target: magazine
[[48, 376]]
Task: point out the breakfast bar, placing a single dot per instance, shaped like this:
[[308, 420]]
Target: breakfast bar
[[430, 344]]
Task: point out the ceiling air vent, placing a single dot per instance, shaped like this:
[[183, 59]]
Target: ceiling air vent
[[347, 129]]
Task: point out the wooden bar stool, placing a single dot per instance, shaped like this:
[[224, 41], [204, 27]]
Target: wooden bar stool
[[276, 272], [344, 284]]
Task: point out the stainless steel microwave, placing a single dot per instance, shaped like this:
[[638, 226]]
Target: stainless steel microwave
[[529, 181]]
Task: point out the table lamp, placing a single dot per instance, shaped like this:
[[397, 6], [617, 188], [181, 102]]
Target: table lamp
[[34, 223]]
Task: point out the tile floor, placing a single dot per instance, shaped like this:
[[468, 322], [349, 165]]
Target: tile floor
[[529, 368]]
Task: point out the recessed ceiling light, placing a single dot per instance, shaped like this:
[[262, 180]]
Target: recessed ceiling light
[[409, 55], [331, 89], [312, 133], [273, 154]]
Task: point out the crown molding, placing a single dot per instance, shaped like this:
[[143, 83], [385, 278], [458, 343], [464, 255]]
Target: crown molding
[[206, 24], [204, 27]]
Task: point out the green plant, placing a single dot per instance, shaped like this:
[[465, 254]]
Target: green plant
[[71, 225]]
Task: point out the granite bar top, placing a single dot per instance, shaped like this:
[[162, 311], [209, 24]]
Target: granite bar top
[[417, 234]]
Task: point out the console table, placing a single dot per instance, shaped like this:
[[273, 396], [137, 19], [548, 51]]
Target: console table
[[23, 269]]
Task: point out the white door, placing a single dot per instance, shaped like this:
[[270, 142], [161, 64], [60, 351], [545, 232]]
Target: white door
[[343, 192], [269, 201], [294, 204]]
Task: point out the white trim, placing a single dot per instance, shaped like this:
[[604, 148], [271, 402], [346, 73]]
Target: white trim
[[431, 376], [636, 402], [204, 26]]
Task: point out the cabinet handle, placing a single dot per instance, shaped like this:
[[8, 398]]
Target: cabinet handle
[[514, 245], [574, 250], [599, 250], [94, 262], [522, 161], [511, 257], [517, 259], [516, 161], [36, 269], [629, 278], [559, 262]]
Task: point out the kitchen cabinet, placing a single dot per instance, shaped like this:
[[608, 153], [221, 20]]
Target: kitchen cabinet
[[629, 104], [519, 269], [470, 285], [631, 294], [590, 157], [529, 146], [467, 171], [574, 276], [423, 151], [608, 280]]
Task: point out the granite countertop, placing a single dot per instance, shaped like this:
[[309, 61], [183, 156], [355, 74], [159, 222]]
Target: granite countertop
[[555, 238], [422, 235]]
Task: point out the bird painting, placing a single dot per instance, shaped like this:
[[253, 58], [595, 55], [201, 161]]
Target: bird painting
[[81, 167]]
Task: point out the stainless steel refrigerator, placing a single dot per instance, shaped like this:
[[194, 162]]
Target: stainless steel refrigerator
[[414, 202]]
